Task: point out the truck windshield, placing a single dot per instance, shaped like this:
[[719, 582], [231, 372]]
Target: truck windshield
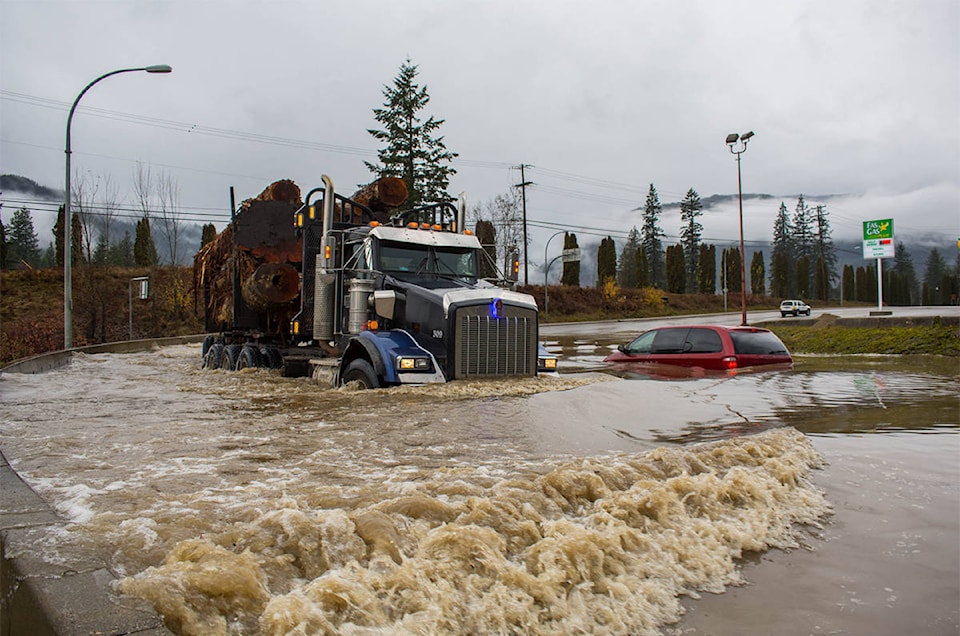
[[422, 259]]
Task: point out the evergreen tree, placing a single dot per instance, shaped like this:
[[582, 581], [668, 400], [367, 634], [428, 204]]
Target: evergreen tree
[[782, 256], [904, 278], [76, 238], [707, 269], [120, 253], [804, 245], [571, 269], [144, 249], [208, 234], [676, 271], [849, 283], [627, 270], [803, 277], [412, 152], [758, 275], [731, 269], [650, 241], [826, 255], [487, 235], [643, 269], [23, 243], [606, 262], [690, 230], [935, 280]]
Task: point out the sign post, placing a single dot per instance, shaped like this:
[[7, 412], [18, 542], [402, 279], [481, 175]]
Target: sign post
[[878, 243]]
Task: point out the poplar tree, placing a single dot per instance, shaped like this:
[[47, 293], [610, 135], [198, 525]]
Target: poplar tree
[[144, 249], [691, 209], [651, 235], [676, 272], [571, 269], [758, 283], [606, 262], [627, 269], [412, 151], [707, 269]]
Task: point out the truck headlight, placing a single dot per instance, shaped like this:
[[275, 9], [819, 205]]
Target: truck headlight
[[413, 364], [547, 364]]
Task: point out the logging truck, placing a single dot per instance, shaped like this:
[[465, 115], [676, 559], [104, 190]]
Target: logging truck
[[353, 290]]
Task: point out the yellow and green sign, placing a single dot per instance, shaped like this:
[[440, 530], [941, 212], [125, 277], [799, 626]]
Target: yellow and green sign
[[878, 239]]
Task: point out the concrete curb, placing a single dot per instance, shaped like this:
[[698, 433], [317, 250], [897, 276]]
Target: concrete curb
[[73, 594]]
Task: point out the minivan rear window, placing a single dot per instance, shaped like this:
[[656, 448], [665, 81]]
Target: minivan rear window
[[757, 342]]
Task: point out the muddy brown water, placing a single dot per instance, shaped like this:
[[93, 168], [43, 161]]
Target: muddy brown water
[[820, 500]]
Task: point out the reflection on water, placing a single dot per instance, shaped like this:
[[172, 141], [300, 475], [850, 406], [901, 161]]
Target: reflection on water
[[251, 503]]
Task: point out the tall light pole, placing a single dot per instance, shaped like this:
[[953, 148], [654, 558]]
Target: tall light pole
[[68, 220], [732, 140]]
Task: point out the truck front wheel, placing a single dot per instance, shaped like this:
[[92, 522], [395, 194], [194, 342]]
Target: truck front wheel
[[361, 372]]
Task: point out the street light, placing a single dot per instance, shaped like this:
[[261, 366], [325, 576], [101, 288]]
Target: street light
[[732, 139], [67, 220]]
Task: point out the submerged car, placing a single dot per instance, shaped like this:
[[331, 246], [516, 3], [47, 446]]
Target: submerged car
[[795, 307], [711, 347]]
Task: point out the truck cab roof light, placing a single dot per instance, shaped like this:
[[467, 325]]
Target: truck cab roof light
[[374, 223], [468, 232], [413, 225], [424, 226], [437, 227]]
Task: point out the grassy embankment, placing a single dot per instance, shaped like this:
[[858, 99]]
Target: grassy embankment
[[31, 313]]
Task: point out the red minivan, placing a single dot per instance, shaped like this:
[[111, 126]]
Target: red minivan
[[712, 347]]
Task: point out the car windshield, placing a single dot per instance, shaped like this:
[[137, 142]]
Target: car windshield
[[757, 342]]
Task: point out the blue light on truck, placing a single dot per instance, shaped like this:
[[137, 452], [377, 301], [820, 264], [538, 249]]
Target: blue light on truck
[[496, 308]]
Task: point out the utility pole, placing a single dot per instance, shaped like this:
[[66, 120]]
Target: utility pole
[[523, 202]]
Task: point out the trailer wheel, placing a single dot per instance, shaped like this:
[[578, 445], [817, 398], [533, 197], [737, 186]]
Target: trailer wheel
[[270, 357], [213, 356], [208, 341], [231, 353], [361, 372], [249, 358]]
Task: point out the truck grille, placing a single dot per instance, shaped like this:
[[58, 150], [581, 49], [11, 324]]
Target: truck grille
[[489, 347]]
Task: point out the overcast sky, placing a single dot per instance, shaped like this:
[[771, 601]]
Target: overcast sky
[[601, 98]]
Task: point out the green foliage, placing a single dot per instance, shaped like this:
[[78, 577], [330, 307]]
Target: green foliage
[[781, 258], [707, 269], [209, 233], [757, 274], [627, 269], [606, 261], [643, 269], [691, 208], [802, 289], [731, 270], [652, 234], [676, 272], [23, 247], [931, 339], [571, 270], [144, 249], [849, 283], [412, 151]]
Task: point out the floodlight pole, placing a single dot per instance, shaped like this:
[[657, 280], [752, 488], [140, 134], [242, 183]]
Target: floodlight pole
[[68, 220], [732, 139]]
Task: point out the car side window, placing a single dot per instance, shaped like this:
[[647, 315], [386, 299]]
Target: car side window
[[669, 341], [643, 343], [703, 341]]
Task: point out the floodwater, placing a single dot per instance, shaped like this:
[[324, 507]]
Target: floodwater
[[819, 500]]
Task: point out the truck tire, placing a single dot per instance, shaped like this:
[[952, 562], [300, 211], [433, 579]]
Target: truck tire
[[208, 341], [362, 372], [270, 357], [231, 353], [213, 356], [249, 358]]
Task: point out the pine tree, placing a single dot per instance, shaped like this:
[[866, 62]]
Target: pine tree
[[690, 230], [849, 283], [571, 269], [803, 277], [24, 246], [121, 252], [782, 256], [826, 255], [412, 152], [606, 262], [758, 275], [650, 241], [144, 249], [804, 245], [627, 269], [904, 278]]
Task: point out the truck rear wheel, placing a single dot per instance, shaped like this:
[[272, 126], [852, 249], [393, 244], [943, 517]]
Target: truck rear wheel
[[213, 355], [249, 358], [361, 372], [231, 353]]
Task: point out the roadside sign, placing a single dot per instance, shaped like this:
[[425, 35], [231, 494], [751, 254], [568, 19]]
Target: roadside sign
[[570, 255], [878, 239]]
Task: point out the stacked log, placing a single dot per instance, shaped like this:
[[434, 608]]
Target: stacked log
[[382, 196]]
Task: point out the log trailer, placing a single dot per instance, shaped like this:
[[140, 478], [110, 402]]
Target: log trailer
[[361, 293]]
